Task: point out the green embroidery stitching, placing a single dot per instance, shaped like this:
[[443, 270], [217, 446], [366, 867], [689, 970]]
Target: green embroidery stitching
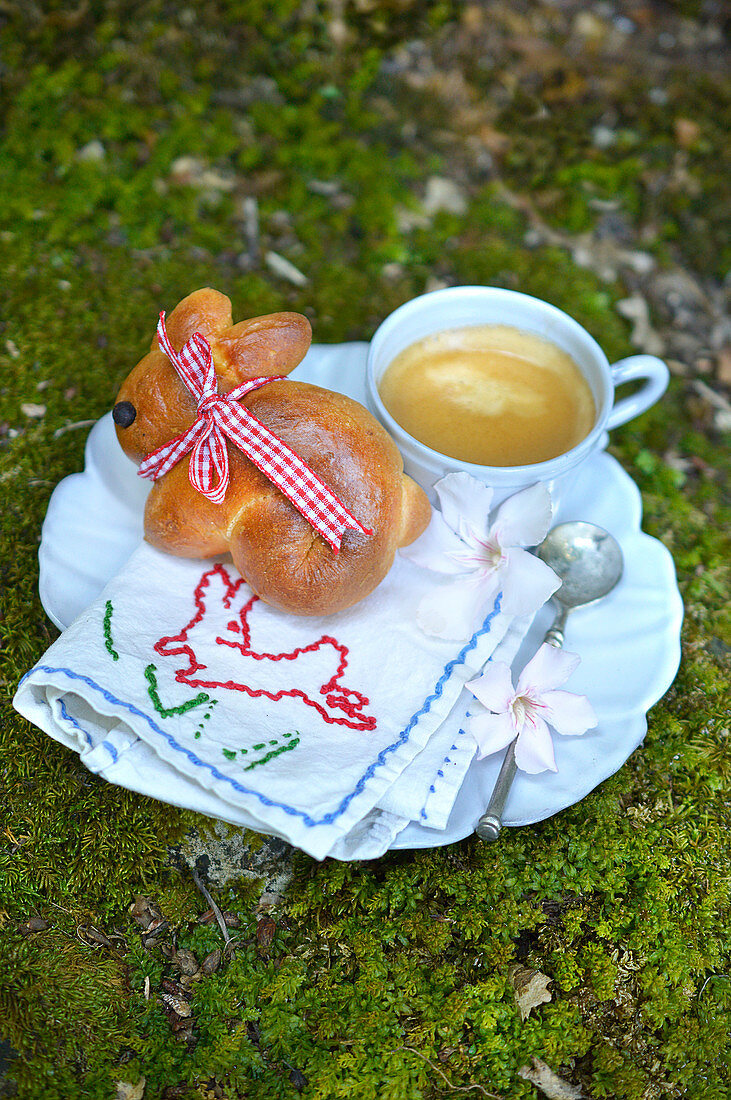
[[205, 718], [166, 712], [275, 752], [108, 630], [230, 754]]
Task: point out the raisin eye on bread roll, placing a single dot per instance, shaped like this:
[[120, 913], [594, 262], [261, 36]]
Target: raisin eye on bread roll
[[284, 560]]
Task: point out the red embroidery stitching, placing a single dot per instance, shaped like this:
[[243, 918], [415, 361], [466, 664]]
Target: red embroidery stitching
[[335, 695]]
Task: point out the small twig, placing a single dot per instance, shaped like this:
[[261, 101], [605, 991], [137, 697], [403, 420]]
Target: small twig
[[53, 903], [455, 1088], [711, 396], [217, 912], [72, 427], [442, 1074], [81, 939], [282, 267], [711, 978], [251, 228]]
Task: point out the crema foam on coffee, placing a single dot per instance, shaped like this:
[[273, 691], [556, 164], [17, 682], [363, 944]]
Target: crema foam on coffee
[[489, 394]]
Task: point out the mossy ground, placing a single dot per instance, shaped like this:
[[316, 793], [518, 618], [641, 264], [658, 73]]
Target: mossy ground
[[389, 979]]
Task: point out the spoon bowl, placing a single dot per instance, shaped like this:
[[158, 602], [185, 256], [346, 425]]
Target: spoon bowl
[[586, 558]]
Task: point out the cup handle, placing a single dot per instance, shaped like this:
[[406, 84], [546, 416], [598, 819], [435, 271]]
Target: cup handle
[[656, 375]]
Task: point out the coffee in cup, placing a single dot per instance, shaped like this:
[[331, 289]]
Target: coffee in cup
[[475, 307], [489, 394]]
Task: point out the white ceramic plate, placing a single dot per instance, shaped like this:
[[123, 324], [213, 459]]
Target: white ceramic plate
[[629, 643]]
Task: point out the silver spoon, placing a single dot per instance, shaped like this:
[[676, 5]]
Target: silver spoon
[[589, 562]]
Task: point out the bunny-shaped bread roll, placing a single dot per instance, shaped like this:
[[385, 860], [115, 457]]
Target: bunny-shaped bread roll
[[286, 561]]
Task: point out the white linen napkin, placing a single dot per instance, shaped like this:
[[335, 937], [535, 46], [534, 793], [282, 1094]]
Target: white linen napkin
[[332, 733]]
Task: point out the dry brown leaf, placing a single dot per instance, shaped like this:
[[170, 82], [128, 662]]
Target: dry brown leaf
[[643, 336], [145, 911], [723, 370], [530, 988], [36, 924], [687, 132], [551, 1085], [186, 962], [127, 1091], [177, 1004], [211, 962], [494, 140], [265, 929]]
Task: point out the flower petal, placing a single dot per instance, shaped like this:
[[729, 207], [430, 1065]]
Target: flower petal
[[434, 549], [524, 518], [534, 748], [526, 581], [453, 609], [465, 501], [494, 688], [568, 713], [549, 668], [492, 732]]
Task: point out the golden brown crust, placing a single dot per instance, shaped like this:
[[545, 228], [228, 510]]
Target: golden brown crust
[[280, 555], [415, 511], [282, 558], [270, 345], [164, 407], [180, 520], [206, 311]]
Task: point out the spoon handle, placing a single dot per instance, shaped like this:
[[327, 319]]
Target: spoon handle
[[490, 824], [554, 635]]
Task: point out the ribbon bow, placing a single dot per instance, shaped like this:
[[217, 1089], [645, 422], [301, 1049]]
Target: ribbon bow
[[220, 416]]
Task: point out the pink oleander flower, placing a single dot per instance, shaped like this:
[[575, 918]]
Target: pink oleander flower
[[477, 559], [525, 712]]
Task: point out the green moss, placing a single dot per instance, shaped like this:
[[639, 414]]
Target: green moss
[[389, 979]]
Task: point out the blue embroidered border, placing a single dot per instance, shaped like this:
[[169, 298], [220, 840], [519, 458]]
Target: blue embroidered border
[[440, 773], [77, 725], [239, 787], [72, 721]]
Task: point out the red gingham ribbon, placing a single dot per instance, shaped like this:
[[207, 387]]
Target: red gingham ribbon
[[219, 416]]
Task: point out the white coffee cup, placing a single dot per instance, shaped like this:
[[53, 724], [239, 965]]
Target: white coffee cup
[[455, 307]]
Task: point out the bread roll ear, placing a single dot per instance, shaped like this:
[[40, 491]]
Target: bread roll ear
[[415, 512], [270, 345], [205, 311]]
